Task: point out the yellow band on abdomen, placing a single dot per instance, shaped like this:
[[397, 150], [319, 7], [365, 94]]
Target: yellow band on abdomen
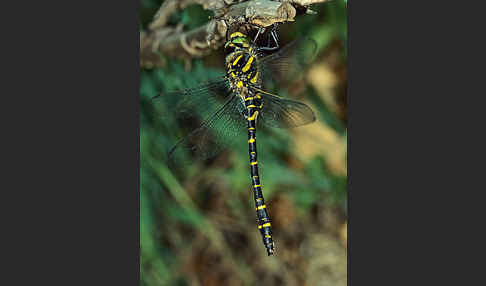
[[261, 207], [253, 116]]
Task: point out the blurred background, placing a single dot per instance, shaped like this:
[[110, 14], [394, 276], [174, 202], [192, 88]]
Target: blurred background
[[198, 221]]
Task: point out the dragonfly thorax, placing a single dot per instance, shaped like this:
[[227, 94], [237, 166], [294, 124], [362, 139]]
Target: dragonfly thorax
[[242, 69]]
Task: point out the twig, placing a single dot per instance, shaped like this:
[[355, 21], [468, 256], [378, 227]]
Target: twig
[[173, 42], [170, 6]]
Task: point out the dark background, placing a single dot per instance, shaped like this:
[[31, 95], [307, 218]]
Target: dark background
[[70, 189]]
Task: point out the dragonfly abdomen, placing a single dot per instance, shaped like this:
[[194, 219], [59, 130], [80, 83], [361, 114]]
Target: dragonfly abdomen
[[253, 105]]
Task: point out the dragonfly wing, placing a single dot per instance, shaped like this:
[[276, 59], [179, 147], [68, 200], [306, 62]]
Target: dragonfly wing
[[203, 99], [286, 64], [284, 113], [216, 133]]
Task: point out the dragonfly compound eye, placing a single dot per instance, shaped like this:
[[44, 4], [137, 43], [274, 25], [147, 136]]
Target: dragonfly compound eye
[[239, 39]]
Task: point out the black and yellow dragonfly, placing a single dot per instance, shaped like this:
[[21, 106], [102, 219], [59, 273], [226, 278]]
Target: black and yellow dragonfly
[[235, 102]]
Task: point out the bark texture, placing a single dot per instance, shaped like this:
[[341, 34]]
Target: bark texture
[[173, 41]]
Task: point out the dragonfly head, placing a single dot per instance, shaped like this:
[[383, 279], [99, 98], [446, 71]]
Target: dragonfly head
[[237, 40]]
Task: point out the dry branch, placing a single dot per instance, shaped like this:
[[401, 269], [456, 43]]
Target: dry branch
[[174, 42]]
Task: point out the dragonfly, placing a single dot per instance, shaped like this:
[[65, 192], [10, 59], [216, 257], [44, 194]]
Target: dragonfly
[[234, 103]]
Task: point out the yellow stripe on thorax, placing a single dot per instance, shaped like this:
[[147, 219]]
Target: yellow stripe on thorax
[[236, 60], [261, 207], [247, 65]]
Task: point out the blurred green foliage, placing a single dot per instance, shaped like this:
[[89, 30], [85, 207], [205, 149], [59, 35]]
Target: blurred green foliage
[[181, 204]]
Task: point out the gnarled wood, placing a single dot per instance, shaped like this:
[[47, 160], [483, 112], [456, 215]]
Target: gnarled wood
[[174, 42]]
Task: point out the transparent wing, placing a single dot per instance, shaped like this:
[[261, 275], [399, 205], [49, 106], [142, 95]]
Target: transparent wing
[[203, 99], [288, 62], [220, 130], [284, 113]]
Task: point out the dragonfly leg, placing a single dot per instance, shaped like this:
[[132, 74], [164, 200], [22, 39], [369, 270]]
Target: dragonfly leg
[[273, 35], [260, 29]]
